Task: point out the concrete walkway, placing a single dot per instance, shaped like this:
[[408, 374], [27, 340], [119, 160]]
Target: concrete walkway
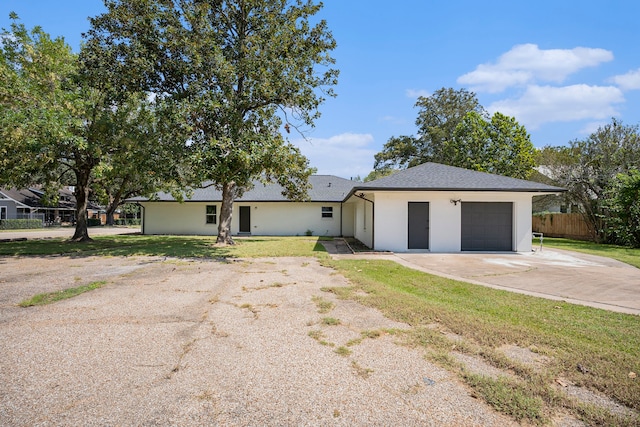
[[553, 274]]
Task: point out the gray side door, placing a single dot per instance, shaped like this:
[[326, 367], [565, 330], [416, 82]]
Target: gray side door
[[418, 225], [487, 226], [245, 219]]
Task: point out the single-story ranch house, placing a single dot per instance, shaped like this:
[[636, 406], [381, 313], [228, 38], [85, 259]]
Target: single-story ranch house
[[430, 207]]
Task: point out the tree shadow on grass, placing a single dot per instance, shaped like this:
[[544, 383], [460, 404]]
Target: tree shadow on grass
[[167, 246]]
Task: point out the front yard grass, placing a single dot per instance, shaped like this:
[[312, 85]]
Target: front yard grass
[[592, 348], [171, 246]]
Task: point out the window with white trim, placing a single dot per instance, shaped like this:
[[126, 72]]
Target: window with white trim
[[212, 213], [3, 212], [327, 212]]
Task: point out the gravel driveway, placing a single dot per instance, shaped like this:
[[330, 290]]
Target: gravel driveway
[[203, 342]]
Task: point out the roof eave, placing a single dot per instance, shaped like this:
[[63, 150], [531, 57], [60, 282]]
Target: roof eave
[[502, 190]]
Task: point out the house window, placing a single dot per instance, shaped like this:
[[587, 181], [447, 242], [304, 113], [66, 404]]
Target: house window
[[211, 214], [3, 212], [327, 212]]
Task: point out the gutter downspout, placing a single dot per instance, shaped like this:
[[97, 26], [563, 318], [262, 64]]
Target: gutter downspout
[[142, 217], [341, 219], [373, 218]]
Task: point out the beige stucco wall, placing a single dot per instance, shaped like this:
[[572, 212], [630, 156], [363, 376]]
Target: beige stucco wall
[[392, 209], [386, 228], [276, 219], [362, 214]]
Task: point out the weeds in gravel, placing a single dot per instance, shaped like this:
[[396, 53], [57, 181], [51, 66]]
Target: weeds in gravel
[[319, 336], [330, 321], [360, 371], [606, 345], [323, 305], [251, 308], [51, 297], [363, 335], [342, 351], [509, 397]]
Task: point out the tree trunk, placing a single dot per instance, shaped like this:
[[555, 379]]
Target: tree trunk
[[111, 209], [226, 212], [82, 199]]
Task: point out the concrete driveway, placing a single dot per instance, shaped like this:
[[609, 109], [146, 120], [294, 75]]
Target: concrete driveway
[[555, 274]]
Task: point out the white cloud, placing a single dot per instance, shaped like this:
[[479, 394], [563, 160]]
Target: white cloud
[[628, 81], [416, 93], [346, 155], [546, 104], [527, 64]]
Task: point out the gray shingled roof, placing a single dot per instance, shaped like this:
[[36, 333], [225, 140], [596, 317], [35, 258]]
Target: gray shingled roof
[[438, 177], [324, 188], [425, 177]]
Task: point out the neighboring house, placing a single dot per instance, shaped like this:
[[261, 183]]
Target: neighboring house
[[550, 203], [430, 207], [28, 203]]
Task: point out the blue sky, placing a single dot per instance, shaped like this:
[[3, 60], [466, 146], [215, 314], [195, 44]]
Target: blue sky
[[561, 68]]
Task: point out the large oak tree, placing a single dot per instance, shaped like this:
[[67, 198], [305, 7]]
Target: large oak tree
[[50, 124], [454, 129], [233, 70], [57, 130]]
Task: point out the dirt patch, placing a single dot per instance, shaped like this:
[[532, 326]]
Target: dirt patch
[[523, 355]]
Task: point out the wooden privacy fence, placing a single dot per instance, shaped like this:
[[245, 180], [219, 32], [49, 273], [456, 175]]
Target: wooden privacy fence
[[569, 225]]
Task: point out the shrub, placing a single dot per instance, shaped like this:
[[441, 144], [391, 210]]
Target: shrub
[[19, 224], [130, 221], [93, 222]]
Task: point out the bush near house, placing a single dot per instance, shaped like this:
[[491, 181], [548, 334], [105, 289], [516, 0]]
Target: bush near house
[[125, 221], [93, 222], [20, 224]]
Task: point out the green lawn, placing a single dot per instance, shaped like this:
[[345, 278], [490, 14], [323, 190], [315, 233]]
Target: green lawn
[[621, 253], [606, 343], [173, 246]]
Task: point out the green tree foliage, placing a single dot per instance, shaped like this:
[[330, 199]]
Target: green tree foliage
[[622, 202], [588, 168], [499, 145], [57, 130], [144, 160], [437, 120], [49, 121], [379, 173], [231, 70], [454, 129]]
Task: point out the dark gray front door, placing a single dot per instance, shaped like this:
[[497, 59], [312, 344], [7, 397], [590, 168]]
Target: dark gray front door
[[487, 226], [245, 219], [418, 225]]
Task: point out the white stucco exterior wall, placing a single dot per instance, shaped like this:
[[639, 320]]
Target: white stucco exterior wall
[[392, 210], [267, 218], [348, 219], [362, 219]]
